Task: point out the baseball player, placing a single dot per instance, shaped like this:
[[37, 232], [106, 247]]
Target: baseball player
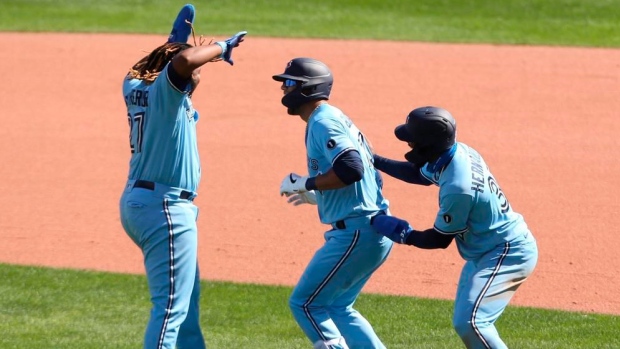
[[346, 188], [156, 207], [499, 249]]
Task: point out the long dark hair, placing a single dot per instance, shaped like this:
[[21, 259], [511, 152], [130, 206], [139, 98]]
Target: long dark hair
[[149, 67]]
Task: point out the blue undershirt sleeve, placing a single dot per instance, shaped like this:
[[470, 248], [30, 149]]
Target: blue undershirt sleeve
[[349, 167], [403, 170], [429, 239]]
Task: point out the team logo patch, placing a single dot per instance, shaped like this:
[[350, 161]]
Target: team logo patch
[[447, 218], [331, 144]]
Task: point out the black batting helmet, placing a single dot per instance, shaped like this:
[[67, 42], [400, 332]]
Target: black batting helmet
[[431, 129], [314, 82]]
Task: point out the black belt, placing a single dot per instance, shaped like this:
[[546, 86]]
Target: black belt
[[185, 195], [342, 225]]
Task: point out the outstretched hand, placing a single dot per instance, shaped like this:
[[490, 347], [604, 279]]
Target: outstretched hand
[[228, 45], [393, 228]]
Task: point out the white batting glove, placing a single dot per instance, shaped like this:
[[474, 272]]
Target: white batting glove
[[293, 184], [308, 197]]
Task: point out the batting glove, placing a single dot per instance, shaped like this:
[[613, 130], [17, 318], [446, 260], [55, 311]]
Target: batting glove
[[293, 184], [308, 197], [393, 228], [228, 45]]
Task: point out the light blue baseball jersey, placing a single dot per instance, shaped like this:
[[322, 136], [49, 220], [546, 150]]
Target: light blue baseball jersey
[[473, 206], [329, 134], [163, 133]]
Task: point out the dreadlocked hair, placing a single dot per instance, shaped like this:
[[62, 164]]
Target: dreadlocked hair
[[149, 67]]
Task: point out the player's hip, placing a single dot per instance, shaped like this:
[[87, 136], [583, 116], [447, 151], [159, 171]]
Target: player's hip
[[357, 220], [148, 190], [145, 217]]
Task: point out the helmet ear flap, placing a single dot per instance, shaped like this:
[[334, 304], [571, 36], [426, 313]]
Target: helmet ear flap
[[307, 91]]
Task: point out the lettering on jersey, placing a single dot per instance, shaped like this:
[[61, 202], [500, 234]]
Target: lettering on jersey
[[331, 144], [495, 189], [477, 172], [313, 164], [138, 98]]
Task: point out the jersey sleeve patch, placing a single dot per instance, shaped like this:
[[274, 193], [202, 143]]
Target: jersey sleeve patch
[[331, 144], [332, 137], [453, 214]]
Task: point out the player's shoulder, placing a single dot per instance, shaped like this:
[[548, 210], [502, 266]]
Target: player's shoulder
[[130, 82], [325, 112], [455, 178], [130, 85], [329, 116]]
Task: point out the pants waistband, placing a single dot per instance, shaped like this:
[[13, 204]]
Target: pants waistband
[[353, 221], [163, 189]]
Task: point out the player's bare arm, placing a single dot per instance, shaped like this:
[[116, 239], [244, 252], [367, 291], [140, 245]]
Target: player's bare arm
[[192, 58], [348, 169], [328, 181], [189, 60]]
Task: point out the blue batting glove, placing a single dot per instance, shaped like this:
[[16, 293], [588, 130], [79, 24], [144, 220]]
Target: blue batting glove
[[393, 228], [228, 45]]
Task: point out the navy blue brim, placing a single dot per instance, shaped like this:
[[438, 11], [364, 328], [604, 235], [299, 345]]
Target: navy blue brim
[[402, 133], [282, 77]]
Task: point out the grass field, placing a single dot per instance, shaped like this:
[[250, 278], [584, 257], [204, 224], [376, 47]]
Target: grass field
[[532, 22], [49, 308]]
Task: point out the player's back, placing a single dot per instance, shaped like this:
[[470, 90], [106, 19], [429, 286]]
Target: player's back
[[491, 219], [162, 133], [331, 133]]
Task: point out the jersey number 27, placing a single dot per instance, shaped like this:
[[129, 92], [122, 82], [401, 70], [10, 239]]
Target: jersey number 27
[[136, 128]]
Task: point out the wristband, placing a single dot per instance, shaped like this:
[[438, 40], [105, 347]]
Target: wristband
[[224, 47], [311, 183]]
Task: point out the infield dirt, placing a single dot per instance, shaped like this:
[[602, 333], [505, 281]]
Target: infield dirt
[[544, 118]]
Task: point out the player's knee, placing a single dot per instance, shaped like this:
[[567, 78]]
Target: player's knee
[[295, 304], [463, 328], [473, 335]]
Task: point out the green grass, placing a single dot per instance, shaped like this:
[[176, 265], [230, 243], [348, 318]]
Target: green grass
[[50, 308], [531, 22], [54, 308]]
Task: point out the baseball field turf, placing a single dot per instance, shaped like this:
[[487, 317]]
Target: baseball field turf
[[58, 308], [52, 308]]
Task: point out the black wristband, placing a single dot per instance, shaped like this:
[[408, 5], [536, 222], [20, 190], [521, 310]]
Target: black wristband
[[311, 183]]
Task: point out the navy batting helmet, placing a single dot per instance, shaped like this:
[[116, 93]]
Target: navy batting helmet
[[313, 82], [431, 129]]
